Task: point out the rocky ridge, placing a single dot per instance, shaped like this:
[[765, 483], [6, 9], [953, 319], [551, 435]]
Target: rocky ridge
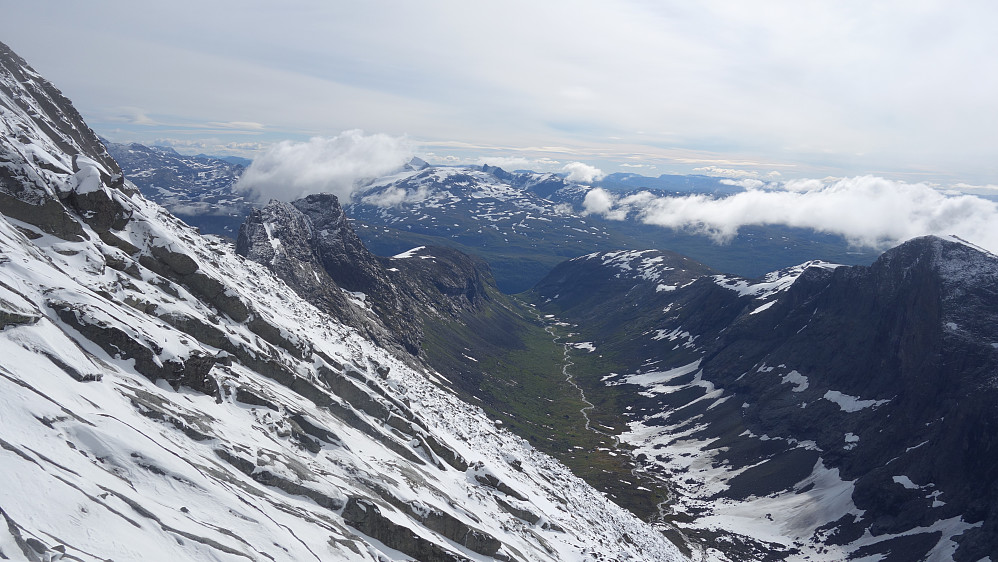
[[310, 245]]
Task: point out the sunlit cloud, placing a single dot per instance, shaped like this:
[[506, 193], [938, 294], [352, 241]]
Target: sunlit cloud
[[338, 165], [747, 183], [582, 173], [868, 211]]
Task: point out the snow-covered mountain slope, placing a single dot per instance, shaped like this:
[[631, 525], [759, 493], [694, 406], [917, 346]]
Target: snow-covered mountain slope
[[486, 212], [164, 398], [818, 413], [51, 164]]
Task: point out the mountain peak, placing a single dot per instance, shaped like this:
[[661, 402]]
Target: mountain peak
[[957, 261]]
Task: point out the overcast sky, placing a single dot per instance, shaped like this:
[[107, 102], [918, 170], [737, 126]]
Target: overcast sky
[[904, 90]]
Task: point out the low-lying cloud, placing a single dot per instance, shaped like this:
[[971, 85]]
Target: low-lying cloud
[[582, 173], [338, 165], [395, 196], [867, 211]]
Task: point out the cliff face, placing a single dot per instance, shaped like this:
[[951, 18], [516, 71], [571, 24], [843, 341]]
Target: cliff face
[[310, 244]]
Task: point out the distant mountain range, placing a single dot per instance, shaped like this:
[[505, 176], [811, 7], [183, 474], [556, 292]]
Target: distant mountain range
[[522, 223], [198, 189]]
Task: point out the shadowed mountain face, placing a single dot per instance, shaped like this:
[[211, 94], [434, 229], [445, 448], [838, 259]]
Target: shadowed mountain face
[[310, 245], [851, 409], [164, 398]]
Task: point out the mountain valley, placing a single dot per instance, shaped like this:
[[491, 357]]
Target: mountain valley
[[459, 363]]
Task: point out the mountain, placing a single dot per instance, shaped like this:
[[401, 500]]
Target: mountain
[[166, 398], [310, 245], [198, 189], [525, 223], [821, 412], [520, 234]]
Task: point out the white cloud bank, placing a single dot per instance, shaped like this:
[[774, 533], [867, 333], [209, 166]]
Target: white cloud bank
[[866, 210], [582, 173], [338, 165]]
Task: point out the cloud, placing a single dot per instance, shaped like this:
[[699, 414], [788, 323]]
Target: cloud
[[598, 202], [564, 209], [239, 125], [868, 211], [338, 165], [132, 116], [394, 196], [582, 173], [985, 190], [747, 183]]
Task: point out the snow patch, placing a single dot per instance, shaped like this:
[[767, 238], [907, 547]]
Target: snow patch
[[763, 307], [795, 378], [408, 253], [851, 403]]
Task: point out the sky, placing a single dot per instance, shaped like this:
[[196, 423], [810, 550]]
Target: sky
[[903, 90]]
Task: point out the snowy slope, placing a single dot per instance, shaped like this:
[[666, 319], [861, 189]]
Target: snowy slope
[[442, 199], [163, 398]]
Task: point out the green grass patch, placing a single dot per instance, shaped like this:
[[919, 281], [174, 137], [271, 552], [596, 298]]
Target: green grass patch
[[511, 366]]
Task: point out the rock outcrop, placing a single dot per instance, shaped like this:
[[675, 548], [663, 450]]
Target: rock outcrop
[[310, 244]]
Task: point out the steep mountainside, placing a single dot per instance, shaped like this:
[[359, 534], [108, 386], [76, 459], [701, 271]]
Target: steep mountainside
[[165, 398], [821, 412], [310, 245], [442, 308]]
